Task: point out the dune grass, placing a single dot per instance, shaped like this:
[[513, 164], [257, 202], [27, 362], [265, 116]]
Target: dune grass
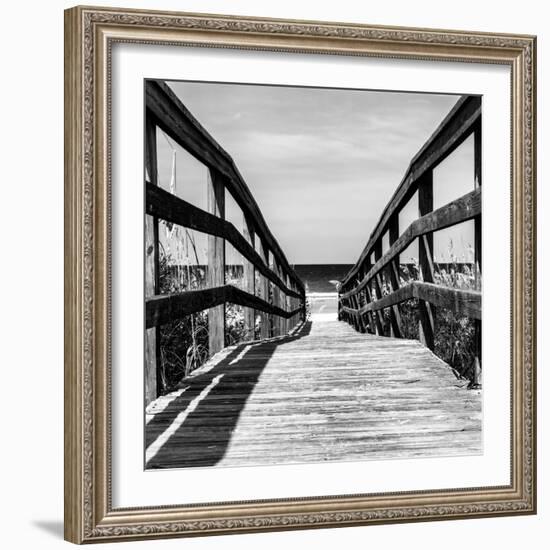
[[184, 343], [455, 335]]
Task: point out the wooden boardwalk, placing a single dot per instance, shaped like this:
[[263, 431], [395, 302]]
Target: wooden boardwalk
[[327, 393]]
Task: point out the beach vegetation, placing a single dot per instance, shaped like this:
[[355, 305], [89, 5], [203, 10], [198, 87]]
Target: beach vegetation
[[455, 335]]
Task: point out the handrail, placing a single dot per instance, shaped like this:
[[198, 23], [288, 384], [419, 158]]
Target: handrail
[[174, 118], [460, 210], [461, 302], [164, 308], [374, 285], [170, 208], [278, 297], [455, 128]]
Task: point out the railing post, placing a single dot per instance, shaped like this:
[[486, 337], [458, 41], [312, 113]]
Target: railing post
[[284, 321], [280, 300], [395, 315], [249, 282], [353, 303], [370, 316], [358, 301], [363, 320], [378, 286], [373, 318], [275, 294], [153, 375], [476, 382], [378, 320], [426, 328], [288, 306], [265, 330], [283, 303], [293, 305], [351, 317], [216, 263], [297, 304]]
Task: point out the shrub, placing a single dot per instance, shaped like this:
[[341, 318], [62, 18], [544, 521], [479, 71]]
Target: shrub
[[455, 335], [184, 343]]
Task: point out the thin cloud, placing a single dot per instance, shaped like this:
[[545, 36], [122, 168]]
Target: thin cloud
[[321, 163]]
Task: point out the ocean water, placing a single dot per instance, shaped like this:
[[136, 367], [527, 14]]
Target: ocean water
[[321, 277], [316, 277]]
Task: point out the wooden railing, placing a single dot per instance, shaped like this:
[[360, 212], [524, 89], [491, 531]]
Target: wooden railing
[[361, 300], [281, 299]]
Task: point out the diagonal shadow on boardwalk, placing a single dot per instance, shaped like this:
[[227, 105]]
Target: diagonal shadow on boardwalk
[[195, 429]]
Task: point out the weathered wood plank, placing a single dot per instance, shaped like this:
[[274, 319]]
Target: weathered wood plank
[[368, 298], [377, 289], [326, 394], [164, 308], [174, 118], [462, 302], [378, 285], [287, 306], [167, 206], [277, 300], [454, 129], [265, 328], [463, 209], [393, 278], [378, 324], [216, 263], [153, 379], [249, 282], [426, 314], [356, 318]]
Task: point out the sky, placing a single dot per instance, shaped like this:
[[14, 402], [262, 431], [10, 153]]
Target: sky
[[321, 163]]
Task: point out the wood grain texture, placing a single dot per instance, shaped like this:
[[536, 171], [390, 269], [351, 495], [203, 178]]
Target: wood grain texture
[[460, 210], [265, 325], [426, 312], [216, 263], [462, 302], [392, 274], [249, 282], [327, 393], [452, 131], [164, 308], [165, 205], [174, 119], [153, 380]]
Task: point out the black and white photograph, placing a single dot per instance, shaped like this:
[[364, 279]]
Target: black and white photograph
[[313, 282], [300, 275]]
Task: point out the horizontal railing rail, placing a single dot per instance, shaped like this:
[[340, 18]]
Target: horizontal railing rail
[[165, 308], [170, 208], [461, 121], [169, 114], [461, 302], [271, 288], [460, 210], [374, 285]]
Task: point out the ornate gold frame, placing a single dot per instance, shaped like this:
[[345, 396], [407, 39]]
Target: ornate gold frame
[[89, 34]]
